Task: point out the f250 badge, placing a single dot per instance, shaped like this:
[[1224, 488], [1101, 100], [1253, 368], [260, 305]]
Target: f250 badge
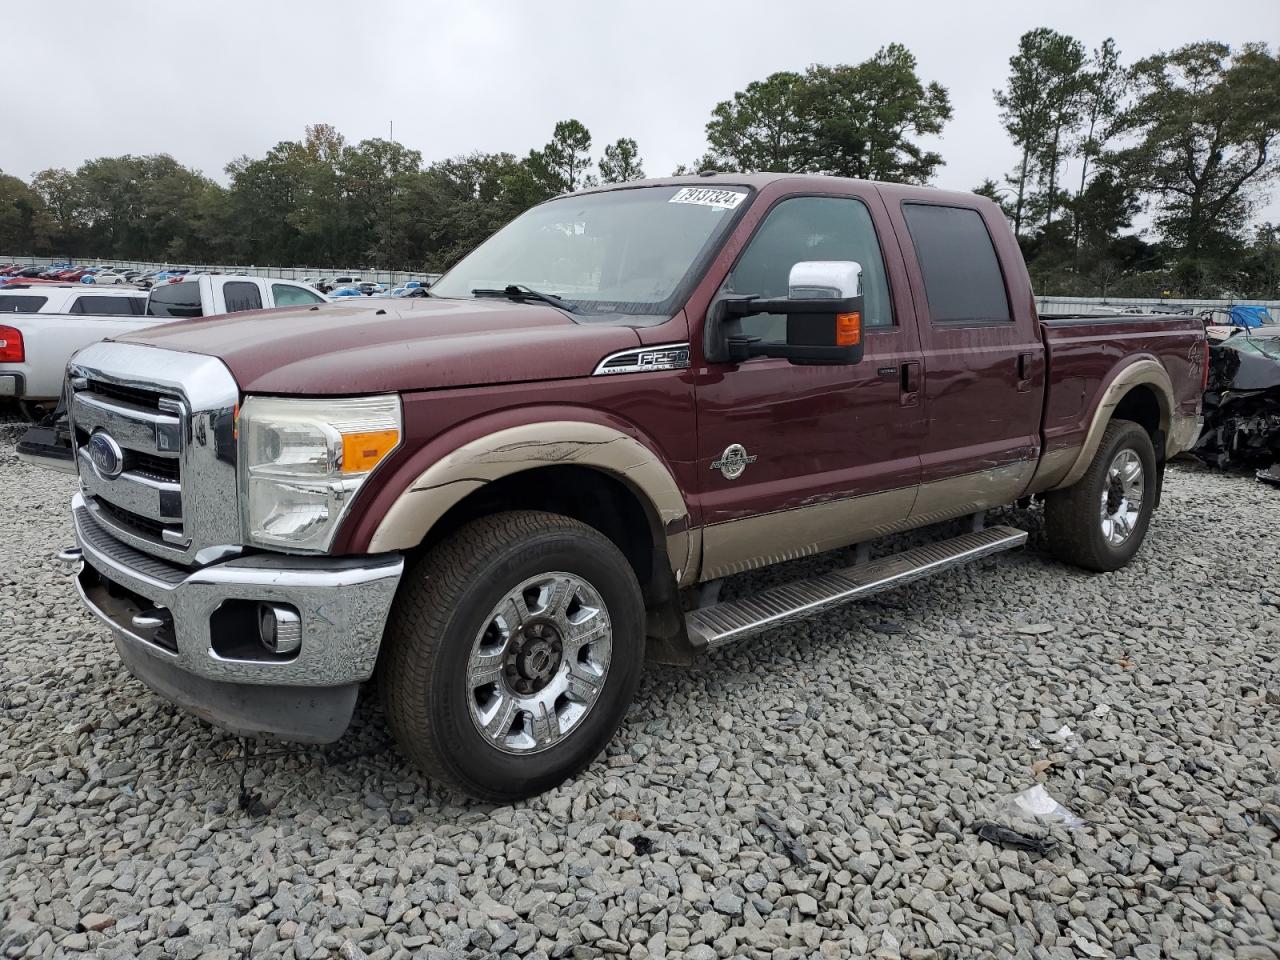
[[733, 462]]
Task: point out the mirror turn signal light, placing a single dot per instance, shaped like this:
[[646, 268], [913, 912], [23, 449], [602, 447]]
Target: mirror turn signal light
[[848, 329]]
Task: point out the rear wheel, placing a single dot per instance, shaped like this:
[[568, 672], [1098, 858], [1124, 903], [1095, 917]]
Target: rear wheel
[[512, 653], [1101, 521]]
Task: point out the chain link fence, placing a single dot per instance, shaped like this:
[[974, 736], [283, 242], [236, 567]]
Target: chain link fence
[[388, 278], [1051, 306]]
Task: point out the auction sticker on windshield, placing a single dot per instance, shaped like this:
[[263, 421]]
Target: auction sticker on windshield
[[708, 197]]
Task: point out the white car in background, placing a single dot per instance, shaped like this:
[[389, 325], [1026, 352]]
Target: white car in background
[[42, 326], [106, 278]]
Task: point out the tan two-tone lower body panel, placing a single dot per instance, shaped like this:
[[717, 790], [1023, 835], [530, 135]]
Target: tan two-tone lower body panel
[[738, 545]]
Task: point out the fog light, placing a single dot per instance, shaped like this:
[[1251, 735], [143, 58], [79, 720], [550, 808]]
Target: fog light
[[279, 628]]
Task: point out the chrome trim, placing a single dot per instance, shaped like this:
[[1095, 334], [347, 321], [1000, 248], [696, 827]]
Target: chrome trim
[[667, 356], [714, 626], [194, 424], [158, 500], [342, 603], [131, 427], [57, 464], [152, 621]]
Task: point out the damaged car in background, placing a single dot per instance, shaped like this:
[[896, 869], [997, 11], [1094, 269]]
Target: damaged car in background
[[1242, 401]]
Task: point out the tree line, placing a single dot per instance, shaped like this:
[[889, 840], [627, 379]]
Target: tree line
[[1185, 137]]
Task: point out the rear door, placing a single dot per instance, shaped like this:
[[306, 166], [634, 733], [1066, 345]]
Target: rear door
[[983, 358]]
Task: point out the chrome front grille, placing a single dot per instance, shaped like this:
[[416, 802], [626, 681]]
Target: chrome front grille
[[168, 487]]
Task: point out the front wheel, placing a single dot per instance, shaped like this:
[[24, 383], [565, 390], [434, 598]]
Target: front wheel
[[512, 654], [1101, 521]]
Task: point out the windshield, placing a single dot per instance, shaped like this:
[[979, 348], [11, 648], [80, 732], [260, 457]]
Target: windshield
[[619, 252]]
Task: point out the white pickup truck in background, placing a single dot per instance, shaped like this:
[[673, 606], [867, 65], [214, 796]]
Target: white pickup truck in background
[[42, 326]]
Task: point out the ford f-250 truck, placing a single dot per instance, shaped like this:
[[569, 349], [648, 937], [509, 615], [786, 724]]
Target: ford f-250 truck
[[497, 500]]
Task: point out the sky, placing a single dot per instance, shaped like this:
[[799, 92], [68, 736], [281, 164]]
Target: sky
[[211, 80]]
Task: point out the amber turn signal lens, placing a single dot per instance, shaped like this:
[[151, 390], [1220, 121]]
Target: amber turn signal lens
[[361, 452], [848, 329]]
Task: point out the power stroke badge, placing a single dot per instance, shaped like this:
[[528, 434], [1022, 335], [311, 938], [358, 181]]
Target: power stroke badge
[[733, 462]]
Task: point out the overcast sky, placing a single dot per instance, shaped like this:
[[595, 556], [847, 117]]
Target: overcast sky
[[209, 81]]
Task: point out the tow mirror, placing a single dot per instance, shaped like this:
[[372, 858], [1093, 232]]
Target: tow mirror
[[824, 309]]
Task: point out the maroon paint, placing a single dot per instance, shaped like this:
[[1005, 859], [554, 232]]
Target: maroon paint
[[418, 344], [466, 369], [1086, 357], [978, 417], [819, 432]]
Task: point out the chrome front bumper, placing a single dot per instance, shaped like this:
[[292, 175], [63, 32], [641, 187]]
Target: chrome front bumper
[[211, 664]]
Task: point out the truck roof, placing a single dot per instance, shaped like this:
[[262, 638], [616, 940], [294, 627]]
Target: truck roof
[[802, 181]]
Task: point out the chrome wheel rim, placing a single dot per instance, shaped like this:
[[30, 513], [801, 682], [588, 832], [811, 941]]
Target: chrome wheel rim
[[1122, 497], [539, 663]]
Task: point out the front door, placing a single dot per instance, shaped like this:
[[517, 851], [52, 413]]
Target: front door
[[797, 459]]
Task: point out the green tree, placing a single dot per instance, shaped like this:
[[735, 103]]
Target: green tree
[[63, 198], [563, 165], [864, 119], [621, 162], [467, 198], [860, 120], [993, 191], [1039, 106], [1102, 88], [24, 220], [760, 128], [374, 175], [1204, 123]]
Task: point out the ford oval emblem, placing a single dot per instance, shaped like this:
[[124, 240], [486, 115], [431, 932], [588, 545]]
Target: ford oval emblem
[[105, 455]]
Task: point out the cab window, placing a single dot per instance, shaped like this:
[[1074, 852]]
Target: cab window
[[242, 295], [21, 303], [962, 278], [100, 306], [811, 228], [175, 300]]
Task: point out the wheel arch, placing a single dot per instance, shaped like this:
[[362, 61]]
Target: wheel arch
[[1141, 392], [534, 463]]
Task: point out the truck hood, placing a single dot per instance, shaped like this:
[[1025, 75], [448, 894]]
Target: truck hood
[[383, 345]]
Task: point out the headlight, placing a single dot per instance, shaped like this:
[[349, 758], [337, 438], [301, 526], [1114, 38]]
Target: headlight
[[302, 461]]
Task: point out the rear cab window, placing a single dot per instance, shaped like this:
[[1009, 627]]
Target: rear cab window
[[21, 303], [175, 300], [963, 281], [108, 306]]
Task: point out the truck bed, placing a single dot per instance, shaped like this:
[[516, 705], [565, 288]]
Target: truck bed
[[1086, 351]]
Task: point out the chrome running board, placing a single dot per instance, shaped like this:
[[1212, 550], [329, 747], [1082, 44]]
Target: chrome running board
[[714, 626]]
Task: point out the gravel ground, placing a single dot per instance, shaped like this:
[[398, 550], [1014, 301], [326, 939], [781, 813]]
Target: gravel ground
[[876, 738]]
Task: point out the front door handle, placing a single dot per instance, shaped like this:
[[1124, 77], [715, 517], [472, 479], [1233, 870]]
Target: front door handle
[[909, 383]]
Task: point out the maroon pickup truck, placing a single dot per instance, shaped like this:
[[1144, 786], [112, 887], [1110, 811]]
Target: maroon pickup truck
[[497, 500]]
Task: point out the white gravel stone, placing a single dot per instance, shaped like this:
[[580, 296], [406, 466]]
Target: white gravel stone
[[876, 736]]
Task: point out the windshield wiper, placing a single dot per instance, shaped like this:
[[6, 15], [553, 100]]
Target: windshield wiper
[[518, 291]]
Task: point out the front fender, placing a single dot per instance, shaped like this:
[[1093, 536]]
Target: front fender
[[514, 449]]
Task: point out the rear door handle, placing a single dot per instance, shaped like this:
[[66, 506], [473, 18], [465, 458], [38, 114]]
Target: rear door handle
[[909, 384], [1025, 361]]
